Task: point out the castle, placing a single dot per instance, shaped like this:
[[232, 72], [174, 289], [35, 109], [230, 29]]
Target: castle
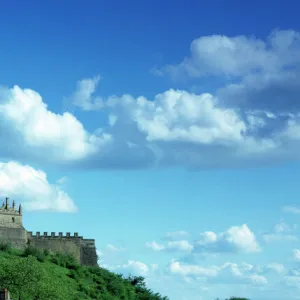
[[13, 232]]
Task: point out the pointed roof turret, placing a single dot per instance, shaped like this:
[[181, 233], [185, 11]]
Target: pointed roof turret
[[20, 209], [6, 202]]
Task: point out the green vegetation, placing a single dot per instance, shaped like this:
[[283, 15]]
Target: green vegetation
[[235, 298], [33, 274]]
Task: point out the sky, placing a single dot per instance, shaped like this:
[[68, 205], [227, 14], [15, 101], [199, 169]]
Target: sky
[[168, 131]]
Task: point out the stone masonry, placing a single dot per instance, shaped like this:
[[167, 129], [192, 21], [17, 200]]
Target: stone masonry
[[13, 232]]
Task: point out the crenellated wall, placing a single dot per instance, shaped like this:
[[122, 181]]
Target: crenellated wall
[[13, 232], [84, 250]]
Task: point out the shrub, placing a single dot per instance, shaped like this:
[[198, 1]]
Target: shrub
[[38, 254], [46, 252], [66, 261], [5, 247]]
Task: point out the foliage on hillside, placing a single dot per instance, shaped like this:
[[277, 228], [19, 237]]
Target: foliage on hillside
[[235, 298], [33, 274]]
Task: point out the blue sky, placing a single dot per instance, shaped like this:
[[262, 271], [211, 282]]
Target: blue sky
[[169, 132]]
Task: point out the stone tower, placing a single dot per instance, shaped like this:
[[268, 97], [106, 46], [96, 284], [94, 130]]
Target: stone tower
[[11, 226]]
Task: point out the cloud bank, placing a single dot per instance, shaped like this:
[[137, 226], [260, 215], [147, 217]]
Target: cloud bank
[[236, 239], [227, 273], [252, 120]]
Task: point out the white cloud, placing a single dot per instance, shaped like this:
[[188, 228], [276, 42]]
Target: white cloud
[[291, 209], [276, 267], [155, 246], [192, 270], [175, 235], [182, 245], [176, 128], [83, 95], [31, 128], [280, 232], [132, 267], [180, 116], [100, 256], [171, 246], [226, 273], [62, 180], [235, 239], [296, 254], [219, 55], [31, 186], [113, 248], [199, 128], [292, 281]]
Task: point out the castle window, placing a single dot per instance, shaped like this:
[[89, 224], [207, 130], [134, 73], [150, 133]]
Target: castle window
[[13, 219]]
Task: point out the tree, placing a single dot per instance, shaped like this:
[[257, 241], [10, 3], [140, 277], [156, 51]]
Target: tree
[[19, 275], [137, 281], [26, 279]]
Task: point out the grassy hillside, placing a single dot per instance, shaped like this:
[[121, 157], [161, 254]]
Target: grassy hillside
[[33, 274]]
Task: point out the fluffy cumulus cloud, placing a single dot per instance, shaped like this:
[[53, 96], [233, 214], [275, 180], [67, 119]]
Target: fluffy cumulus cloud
[[172, 246], [227, 273], [245, 122], [238, 56], [31, 186], [29, 129], [236, 239]]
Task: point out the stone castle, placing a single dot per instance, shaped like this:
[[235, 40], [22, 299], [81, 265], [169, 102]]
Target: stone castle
[[13, 232]]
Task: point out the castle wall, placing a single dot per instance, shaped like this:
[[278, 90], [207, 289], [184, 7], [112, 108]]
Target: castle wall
[[16, 236], [88, 254], [13, 232], [83, 250]]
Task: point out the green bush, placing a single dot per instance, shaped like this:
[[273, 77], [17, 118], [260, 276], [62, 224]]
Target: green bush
[[66, 261], [37, 253], [5, 247], [46, 252]]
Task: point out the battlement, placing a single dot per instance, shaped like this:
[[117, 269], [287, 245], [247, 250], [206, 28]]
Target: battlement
[[11, 211], [68, 235], [60, 236]]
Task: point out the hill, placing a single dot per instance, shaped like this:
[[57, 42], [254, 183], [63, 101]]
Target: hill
[[32, 274]]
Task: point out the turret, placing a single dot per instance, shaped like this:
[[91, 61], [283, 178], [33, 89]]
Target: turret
[[20, 209], [7, 203], [10, 216]]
